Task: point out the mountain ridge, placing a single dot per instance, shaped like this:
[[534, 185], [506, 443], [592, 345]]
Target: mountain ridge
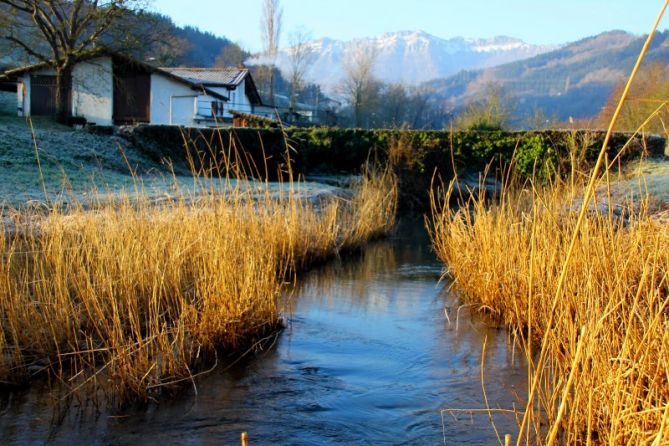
[[572, 81], [421, 55]]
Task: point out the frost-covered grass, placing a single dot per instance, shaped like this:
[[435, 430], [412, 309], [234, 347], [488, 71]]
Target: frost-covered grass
[[70, 161], [83, 167], [645, 181], [653, 175], [7, 103]]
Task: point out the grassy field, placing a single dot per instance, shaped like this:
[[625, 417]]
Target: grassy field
[[77, 166], [135, 295], [62, 161], [600, 322], [7, 104]]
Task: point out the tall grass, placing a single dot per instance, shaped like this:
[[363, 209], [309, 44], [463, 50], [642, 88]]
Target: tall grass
[[606, 376], [139, 296]]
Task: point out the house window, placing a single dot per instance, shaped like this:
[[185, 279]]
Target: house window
[[217, 108]]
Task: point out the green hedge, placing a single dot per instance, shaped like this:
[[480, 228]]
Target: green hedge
[[345, 150], [248, 148], [423, 153]]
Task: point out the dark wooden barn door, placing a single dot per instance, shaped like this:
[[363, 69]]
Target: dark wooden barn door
[[43, 95], [132, 96]]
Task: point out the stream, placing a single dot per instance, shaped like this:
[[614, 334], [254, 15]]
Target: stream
[[368, 358]]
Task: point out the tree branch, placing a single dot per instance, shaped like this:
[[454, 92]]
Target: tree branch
[[105, 21], [67, 27], [74, 21], [18, 6], [61, 22], [47, 25]]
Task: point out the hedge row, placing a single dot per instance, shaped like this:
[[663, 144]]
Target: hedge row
[[418, 154], [345, 150]]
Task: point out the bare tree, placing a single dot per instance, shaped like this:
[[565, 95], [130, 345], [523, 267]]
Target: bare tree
[[301, 57], [394, 99], [360, 85], [418, 107], [270, 29], [646, 104], [493, 111], [60, 33]]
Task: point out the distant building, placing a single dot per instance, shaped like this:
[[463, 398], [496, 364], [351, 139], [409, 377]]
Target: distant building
[[112, 89]]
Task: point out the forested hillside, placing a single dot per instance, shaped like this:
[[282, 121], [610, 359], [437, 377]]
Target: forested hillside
[[573, 81]]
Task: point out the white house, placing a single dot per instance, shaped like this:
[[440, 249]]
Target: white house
[[112, 89]]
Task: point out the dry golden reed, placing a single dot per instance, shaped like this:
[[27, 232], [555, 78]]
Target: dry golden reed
[[606, 377], [138, 296]]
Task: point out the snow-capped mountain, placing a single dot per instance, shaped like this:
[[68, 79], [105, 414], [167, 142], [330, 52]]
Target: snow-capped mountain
[[412, 57]]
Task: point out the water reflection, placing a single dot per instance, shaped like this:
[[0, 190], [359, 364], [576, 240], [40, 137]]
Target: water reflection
[[368, 358]]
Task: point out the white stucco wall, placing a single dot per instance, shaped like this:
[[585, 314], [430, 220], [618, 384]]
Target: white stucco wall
[[223, 91], [93, 91], [183, 110], [239, 101], [172, 103]]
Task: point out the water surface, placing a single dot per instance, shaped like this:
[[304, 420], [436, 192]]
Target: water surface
[[368, 358]]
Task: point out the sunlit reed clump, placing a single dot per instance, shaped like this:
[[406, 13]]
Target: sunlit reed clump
[[606, 334], [138, 296]]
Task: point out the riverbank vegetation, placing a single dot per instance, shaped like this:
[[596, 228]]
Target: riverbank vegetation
[[605, 330], [138, 295]]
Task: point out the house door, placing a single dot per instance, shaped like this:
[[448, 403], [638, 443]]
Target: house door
[[43, 95], [132, 97]]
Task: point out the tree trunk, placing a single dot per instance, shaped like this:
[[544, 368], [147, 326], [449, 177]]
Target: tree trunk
[[357, 108], [271, 85], [293, 99], [63, 93]]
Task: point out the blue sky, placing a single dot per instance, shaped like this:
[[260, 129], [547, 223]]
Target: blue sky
[[536, 21]]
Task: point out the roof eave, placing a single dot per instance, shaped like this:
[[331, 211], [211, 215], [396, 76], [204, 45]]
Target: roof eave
[[17, 72], [220, 85], [203, 89], [92, 54]]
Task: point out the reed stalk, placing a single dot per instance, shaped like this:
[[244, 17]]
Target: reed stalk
[[604, 332]]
